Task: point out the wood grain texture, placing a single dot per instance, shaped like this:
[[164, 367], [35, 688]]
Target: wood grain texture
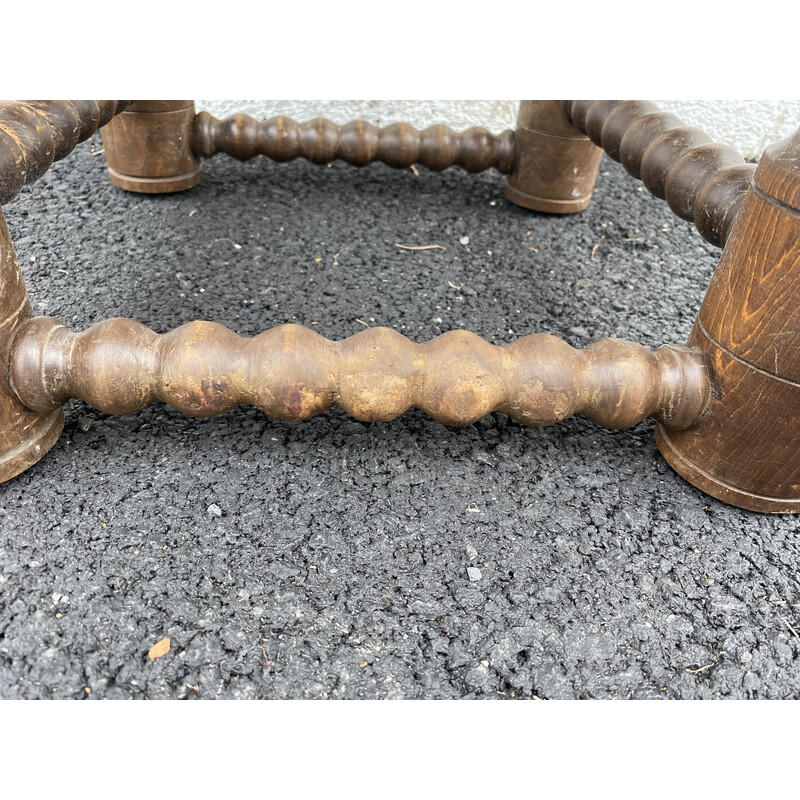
[[358, 143], [35, 134], [702, 182], [25, 435], [756, 314], [292, 373], [746, 450], [149, 147], [556, 167]]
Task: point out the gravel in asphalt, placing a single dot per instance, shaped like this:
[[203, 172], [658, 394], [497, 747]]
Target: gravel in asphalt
[[338, 559]]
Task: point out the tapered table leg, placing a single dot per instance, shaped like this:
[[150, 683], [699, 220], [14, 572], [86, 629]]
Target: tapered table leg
[[746, 450], [556, 166], [25, 435], [149, 147]]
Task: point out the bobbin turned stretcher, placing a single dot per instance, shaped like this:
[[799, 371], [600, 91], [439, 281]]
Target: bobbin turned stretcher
[[727, 403]]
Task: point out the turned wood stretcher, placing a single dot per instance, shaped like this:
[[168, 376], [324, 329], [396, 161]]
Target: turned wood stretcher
[[727, 403]]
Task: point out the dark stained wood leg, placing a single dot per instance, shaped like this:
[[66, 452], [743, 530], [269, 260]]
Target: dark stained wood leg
[[148, 147], [556, 166], [25, 435], [746, 449], [727, 406]]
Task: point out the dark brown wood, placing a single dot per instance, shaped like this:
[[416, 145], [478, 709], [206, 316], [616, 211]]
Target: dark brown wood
[[149, 147], [35, 134], [556, 166], [25, 435], [358, 143], [290, 372], [746, 450], [727, 404], [702, 182]]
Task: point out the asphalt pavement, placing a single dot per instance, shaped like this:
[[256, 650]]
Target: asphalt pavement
[[337, 559]]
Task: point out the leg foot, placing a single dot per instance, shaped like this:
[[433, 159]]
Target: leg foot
[[746, 449], [556, 166], [25, 435], [149, 147], [39, 437]]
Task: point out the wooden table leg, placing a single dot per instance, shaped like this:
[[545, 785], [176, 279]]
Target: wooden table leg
[[746, 450], [25, 435], [148, 147], [556, 166]]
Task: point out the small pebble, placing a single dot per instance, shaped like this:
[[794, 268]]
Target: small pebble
[[214, 510], [474, 574], [85, 423], [472, 554], [159, 649], [464, 240]]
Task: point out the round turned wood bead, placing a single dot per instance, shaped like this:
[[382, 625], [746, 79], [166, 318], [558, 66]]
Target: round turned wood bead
[[575, 113], [35, 134], [719, 201], [556, 166], [358, 143], [149, 147], [663, 152], [607, 130], [638, 138], [690, 172]]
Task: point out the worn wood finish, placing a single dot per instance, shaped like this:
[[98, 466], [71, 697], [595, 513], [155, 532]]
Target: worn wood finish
[[746, 451], [35, 134], [726, 405], [552, 156], [702, 182], [358, 143], [25, 435], [556, 166], [149, 147], [292, 373]]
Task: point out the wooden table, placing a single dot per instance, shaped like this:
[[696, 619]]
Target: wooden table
[[727, 402]]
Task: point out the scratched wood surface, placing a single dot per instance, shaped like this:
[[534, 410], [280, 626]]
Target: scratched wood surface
[[701, 181], [35, 134], [25, 435], [747, 448], [556, 166], [292, 373]]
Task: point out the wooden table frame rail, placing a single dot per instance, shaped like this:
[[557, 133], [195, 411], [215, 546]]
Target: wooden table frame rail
[[726, 402]]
